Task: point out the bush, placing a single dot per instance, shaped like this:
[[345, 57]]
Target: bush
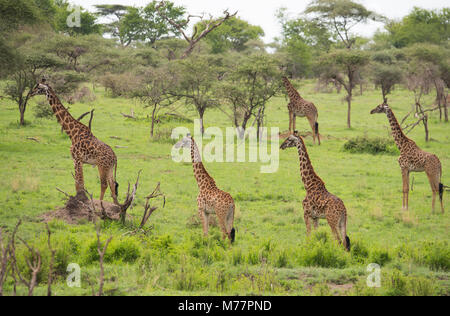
[[371, 146], [322, 251], [43, 110]]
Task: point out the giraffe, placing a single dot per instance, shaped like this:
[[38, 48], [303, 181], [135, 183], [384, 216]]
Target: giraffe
[[300, 107], [210, 199], [86, 148], [318, 203], [413, 159]]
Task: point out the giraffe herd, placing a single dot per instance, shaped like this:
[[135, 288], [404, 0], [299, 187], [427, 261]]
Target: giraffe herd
[[318, 203]]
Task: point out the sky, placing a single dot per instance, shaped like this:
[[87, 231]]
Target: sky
[[262, 12]]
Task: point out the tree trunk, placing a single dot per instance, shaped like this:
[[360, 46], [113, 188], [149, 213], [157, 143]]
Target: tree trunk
[[445, 108], [153, 120], [349, 110], [202, 126]]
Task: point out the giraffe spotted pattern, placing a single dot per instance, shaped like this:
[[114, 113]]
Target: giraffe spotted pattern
[[86, 148]]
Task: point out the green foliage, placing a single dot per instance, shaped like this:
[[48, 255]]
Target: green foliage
[[372, 146], [420, 26], [340, 16], [87, 25], [234, 33]]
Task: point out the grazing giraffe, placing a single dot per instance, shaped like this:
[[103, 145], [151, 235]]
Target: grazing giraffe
[[86, 148], [300, 107], [413, 159], [210, 199], [318, 203]]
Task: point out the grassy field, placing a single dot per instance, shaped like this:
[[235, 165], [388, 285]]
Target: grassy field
[[272, 255]]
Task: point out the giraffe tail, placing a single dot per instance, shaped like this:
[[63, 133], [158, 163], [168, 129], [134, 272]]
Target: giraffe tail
[[232, 235], [115, 181], [441, 191], [347, 243]]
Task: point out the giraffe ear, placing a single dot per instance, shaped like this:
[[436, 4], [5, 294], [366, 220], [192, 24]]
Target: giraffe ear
[[43, 80]]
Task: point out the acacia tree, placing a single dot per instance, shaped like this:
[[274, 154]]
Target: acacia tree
[[386, 71], [340, 17], [252, 82], [344, 67], [26, 73], [153, 90], [194, 79]]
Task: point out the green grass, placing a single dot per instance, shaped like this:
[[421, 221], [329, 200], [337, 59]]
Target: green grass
[[272, 255]]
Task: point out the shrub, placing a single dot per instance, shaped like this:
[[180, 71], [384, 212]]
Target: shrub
[[371, 146], [379, 256], [322, 251], [43, 110]]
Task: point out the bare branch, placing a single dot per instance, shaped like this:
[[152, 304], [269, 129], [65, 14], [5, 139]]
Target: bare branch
[[101, 249], [52, 261]]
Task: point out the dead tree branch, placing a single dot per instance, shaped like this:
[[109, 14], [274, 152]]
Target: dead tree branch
[[129, 199], [34, 265], [6, 255], [101, 249], [52, 261], [192, 40]]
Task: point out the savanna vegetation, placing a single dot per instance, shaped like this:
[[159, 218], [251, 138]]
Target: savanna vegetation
[[146, 70]]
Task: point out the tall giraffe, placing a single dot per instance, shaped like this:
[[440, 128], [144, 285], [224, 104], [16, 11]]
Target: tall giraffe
[[413, 159], [210, 199], [86, 148], [318, 203], [300, 107]]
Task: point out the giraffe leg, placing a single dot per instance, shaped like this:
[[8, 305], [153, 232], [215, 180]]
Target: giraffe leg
[[79, 179], [316, 223], [312, 123], [334, 228], [112, 185], [308, 224], [291, 122], [103, 182], [405, 176], [204, 217], [434, 183], [221, 218]]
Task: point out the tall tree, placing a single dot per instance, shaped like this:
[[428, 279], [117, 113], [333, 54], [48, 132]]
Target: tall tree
[[194, 79], [87, 20], [234, 33], [421, 26], [247, 88], [344, 67], [340, 17]]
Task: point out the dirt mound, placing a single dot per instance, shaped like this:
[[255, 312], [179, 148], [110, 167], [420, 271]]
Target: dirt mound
[[80, 208]]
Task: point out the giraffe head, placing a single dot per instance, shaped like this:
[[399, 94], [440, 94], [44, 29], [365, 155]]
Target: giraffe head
[[291, 141], [185, 142], [40, 89], [381, 108]]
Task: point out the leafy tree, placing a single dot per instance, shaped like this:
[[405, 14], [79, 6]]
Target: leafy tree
[[32, 62], [153, 90], [344, 66], [340, 16], [155, 26], [234, 33], [386, 70], [194, 79], [421, 26], [427, 68], [252, 82]]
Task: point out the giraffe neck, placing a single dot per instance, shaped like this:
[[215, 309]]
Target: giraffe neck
[[292, 92], [399, 137], [204, 180], [63, 116], [309, 177]]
